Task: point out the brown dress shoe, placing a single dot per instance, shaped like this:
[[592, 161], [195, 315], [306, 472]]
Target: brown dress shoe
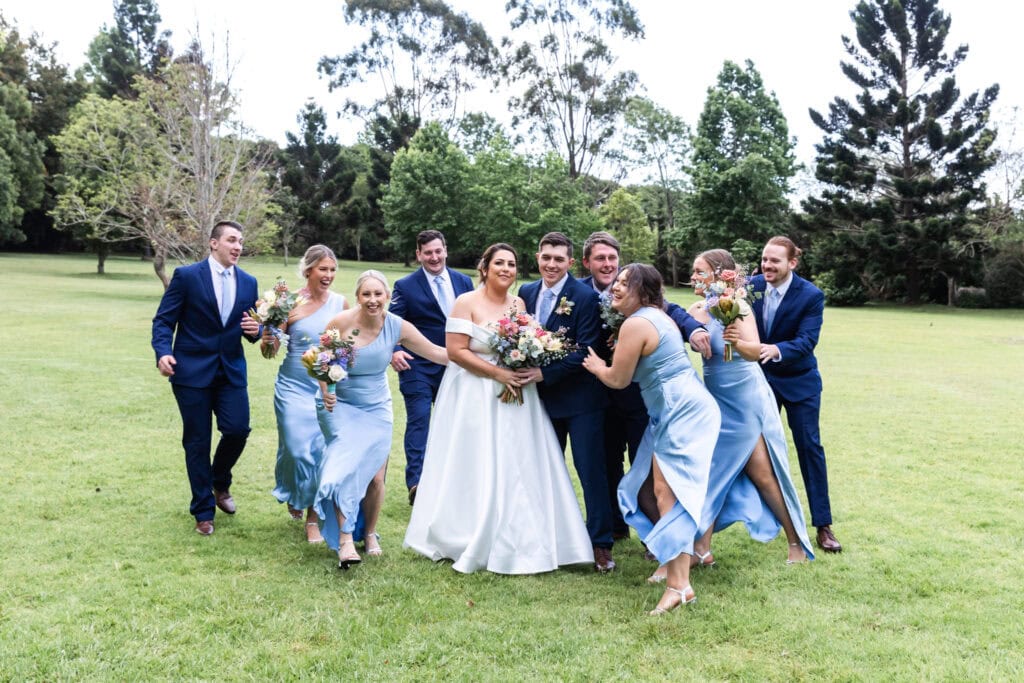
[[603, 561], [224, 501], [827, 540], [204, 528], [412, 493]]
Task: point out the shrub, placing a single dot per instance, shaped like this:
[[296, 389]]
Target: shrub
[[838, 293], [972, 297]]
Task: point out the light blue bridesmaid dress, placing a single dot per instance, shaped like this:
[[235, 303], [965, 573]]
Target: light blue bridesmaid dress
[[300, 442], [683, 428], [358, 433], [748, 411]]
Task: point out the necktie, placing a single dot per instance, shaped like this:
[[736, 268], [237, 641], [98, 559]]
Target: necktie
[[442, 295], [227, 296], [769, 308], [546, 302]]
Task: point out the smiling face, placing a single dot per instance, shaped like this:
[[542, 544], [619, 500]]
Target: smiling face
[[776, 264], [703, 275], [228, 247], [320, 277], [554, 262], [603, 264], [373, 296], [501, 269], [433, 256], [623, 300]]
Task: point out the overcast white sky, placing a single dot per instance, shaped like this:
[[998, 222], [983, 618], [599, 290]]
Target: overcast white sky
[[795, 44]]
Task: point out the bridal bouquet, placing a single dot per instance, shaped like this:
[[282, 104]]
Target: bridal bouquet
[[726, 299], [519, 341], [330, 360], [273, 309], [612, 319]]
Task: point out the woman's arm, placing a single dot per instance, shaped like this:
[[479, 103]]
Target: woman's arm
[[635, 336], [413, 339], [742, 334]]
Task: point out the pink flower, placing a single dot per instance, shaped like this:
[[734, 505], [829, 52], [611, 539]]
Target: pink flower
[[728, 275]]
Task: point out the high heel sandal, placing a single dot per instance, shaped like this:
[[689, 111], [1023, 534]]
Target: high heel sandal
[[701, 559], [657, 577], [375, 551], [686, 597], [294, 514], [313, 533], [347, 560], [803, 561]]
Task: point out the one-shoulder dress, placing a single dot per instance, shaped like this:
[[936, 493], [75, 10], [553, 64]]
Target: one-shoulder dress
[[357, 431], [681, 435], [495, 493], [748, 412], [300, 443]]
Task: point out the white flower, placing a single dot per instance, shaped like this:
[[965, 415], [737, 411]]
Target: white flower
[[263, 310], [336, 373]]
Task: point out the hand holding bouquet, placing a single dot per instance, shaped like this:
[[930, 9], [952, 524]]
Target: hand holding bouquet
[[330, 360], [727, 299], [519, 342], [273, 309]]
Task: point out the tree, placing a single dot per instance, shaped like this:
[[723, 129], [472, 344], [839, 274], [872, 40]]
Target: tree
[[21, 162], [742, 163], [421, 51], [572, 97], [625, 218], [133, 47], [901, 166]]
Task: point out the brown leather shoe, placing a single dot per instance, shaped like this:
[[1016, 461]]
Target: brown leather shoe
[[603, 561], [204, 528], [224, 501], [827, 540], [412, 493]]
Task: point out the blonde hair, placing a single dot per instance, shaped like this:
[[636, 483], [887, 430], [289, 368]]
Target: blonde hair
[[314, 255], [371, 275]]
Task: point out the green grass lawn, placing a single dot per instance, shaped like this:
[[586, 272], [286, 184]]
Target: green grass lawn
[[102, 576]]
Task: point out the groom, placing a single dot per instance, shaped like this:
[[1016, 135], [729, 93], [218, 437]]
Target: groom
[[203, 313], [574, 399]]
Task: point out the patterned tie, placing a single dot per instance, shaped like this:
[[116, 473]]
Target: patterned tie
[[770, 307], [546, 303], [442, 295], [227, 296]]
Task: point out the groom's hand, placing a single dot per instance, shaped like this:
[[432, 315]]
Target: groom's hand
[[399, 360], [700, 341], [166, 365], [529, 375]]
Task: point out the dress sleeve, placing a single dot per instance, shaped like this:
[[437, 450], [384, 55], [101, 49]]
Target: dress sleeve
[[459, 326]]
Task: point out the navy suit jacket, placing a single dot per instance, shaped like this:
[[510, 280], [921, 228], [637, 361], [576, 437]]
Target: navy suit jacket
[[795, 331], [568, 389], [187, 325], [413, 299]]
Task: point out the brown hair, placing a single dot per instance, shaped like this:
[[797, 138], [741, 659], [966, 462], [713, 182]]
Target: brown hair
[[314, 255], [718, 259], [792, 251], [600, 238], [556, 239], [218, 228], [427, 236], [646, 282], [488, 255]]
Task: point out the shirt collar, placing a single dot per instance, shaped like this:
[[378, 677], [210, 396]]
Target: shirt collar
[[784, 287], [556, 288], [217, 268], [430, 276]]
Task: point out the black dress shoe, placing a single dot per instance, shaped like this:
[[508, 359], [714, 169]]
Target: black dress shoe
[[827, 540], [224, 501], [204, 528]]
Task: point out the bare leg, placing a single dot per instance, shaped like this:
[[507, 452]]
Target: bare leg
[[759, 469], [313, 526], [373, 501], [678, 568]]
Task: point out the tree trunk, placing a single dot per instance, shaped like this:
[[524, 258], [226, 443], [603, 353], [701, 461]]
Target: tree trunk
[[950, 291], [675, 267], [284, 243], [159, 266], [102, 251]]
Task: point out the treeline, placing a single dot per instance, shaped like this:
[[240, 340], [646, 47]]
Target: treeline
[[141, 148]]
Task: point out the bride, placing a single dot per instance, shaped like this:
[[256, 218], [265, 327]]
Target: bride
[[495, 493]]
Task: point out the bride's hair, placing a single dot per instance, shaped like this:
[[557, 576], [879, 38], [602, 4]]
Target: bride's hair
[[718, 259], [646, 282], [489, 252], [313, 256], [371, 275]]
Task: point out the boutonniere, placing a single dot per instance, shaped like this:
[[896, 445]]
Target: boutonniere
[[565, 306]]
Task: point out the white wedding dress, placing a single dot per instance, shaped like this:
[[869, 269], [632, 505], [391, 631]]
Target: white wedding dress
[[495, 493]]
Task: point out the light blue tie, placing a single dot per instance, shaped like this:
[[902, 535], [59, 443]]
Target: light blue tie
[[227, 296], [770, 307], [546, 302], [442, 295]]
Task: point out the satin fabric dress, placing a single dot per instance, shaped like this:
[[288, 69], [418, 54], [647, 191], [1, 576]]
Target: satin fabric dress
[[357, 432], [495, 493], [681, 435], [748, 411], [300, 443]]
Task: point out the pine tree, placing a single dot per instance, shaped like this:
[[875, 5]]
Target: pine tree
[[901, 166]]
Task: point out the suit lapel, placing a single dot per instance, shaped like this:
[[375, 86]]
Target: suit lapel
[[206, 284], [428, 291]]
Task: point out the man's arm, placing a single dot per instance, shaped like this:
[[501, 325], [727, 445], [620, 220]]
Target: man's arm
[[806, 339], [693, 330], [586, 333]]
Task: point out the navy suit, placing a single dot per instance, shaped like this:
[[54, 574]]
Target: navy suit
[[575, 400], [626, 416], [414, 300], [209, 377], [796, 381]]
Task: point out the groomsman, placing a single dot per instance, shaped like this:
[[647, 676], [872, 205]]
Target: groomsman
[[424, 298], [789, 316], [573, 398], [626, 417], [203, 313]]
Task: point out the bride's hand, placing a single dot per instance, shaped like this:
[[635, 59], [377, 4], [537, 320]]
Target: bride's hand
[[507, 377]]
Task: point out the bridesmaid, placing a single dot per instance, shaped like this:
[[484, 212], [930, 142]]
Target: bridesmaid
[[749, 480], [663, 493], [357, 421], [299, 441]]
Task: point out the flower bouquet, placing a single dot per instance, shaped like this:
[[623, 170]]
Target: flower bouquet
[[611, 319], [726, 299], [519, 341], [273, 309], [330, 360]]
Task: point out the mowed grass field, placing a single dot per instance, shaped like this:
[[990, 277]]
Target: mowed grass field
[[103, 578]]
